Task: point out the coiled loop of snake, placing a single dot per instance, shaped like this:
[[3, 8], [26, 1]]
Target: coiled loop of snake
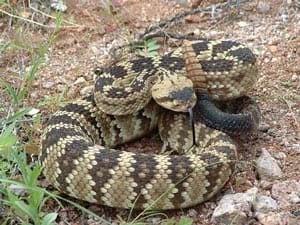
[[77, 147]]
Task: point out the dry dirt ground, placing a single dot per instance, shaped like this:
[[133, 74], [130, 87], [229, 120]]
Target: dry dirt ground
[[271, 29]]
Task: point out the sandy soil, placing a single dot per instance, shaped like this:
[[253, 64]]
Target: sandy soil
[[271, 30]]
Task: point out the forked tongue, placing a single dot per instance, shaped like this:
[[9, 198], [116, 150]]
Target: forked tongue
[[192, 122]]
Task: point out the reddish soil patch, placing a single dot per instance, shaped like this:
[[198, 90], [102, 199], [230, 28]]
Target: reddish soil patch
[[271, 31]]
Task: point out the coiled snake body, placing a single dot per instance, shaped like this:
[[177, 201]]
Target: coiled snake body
[[132, 99]]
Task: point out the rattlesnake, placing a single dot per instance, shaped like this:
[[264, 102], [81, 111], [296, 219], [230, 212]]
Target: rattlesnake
[[132, 99]]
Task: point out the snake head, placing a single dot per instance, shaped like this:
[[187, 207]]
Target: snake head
[[174, 92]]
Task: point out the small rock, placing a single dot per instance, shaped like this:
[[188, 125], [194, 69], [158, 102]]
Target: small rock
[[192, 213], [295, 197], [263, 7], [267, 166], [95, 50], [271, 132], [286, 193], [243, 24], [296, 147], [183, 3], [264, 204], [58, 5], [154, 220], [33, 112], [275, 218], [61, 87], [80, 80], [34, 94], [280, 156], [263, 127], [232, 205], [48, 84], [191, 19], [273, 48], [294, 77], [266, 185]]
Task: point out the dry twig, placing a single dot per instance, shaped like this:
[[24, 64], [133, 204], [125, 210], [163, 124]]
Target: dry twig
[[159, 30]]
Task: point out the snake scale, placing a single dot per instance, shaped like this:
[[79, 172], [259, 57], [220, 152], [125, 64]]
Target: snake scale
[[133, 98]]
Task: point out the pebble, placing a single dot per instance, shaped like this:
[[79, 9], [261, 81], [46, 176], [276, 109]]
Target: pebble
[[95, 50], [192, 213], [273, 48], [183, 3], [264, 204], [266, 185], [275, 218], [58, 5], [286, 193], [48, 84], [296, 147], [34, 94], [267, 166], [271, 132], [263, 127], [61, 87], [232, 205], [33, 112], [294, 77], [80, 80], [154, 220], [243, 24], [263, 7]]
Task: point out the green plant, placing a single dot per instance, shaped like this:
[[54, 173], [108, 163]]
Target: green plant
[[27, 208], [13, 163], [182, 221], [287, 84], [21, 198], [148, 49]]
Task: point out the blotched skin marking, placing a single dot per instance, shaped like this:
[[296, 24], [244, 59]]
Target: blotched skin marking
[[226, 69], [122, 179], [78, 145]]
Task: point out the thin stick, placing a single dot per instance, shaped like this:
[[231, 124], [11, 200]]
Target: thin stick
[[34, 22], [25, 19], [184, 14], [52, 17], [161, 26]]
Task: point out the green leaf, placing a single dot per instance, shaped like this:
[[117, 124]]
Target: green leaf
[[153, 47], [170, 222], [36, 198], [152, 54], [33, 175], [29, 211], [7, 142], [49, 219], [141, 53], [7, 139], [11, 91], [16, 116], [185, 221], [8, 131]]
